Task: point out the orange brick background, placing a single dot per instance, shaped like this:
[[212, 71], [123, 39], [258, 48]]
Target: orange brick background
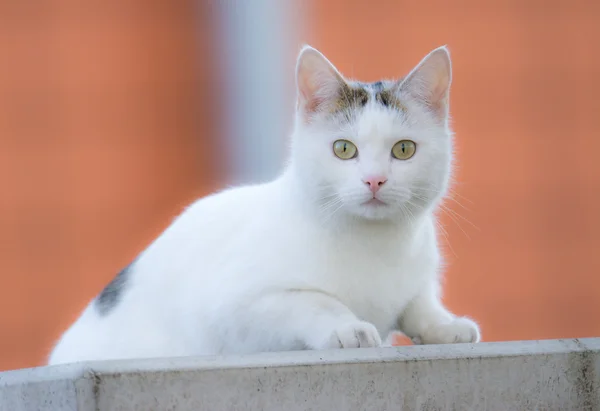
[[108, 127]]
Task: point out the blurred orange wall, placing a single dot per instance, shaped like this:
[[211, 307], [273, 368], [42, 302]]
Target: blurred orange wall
[[104, 136]]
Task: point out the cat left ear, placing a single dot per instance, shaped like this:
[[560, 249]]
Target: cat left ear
[[430, 80], [317, 80]]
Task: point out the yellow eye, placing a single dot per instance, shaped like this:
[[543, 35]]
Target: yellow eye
[[403, 150], [344, 149]]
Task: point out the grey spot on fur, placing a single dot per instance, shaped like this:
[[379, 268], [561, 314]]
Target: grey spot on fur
[[112, 293], [377, 86], [386, 95], [357, 94], [351, 97]]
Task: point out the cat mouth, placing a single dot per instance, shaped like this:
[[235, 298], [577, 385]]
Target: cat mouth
[[375, 202]]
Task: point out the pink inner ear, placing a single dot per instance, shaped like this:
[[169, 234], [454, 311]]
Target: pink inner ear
[[432, 88], [311, 105], [317, 82], [313, 92], [439, 97], [307, 89], [440, 90], [430, 82]]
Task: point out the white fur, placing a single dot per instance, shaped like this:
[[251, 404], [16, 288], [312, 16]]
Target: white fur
[[300, 262]]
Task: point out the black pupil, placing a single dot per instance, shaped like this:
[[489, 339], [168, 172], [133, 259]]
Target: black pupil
[[403, 148], [344, 147]]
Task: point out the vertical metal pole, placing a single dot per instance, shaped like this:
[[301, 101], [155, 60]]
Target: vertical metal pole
[[256, 37]]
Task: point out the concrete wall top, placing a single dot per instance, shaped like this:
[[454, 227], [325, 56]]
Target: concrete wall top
[[528, 375]]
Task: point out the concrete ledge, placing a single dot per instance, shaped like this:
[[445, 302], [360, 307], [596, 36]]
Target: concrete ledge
[[529, 375]]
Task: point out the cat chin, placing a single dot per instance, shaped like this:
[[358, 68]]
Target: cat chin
[[376, 211]]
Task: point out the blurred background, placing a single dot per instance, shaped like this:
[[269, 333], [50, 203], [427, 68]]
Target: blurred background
[[116, 114]]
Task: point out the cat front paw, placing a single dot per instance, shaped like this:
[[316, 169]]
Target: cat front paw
[[460, 330], [358, 334]]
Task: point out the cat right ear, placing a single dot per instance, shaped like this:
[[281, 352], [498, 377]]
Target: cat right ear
[[317, 80], [430, 81]]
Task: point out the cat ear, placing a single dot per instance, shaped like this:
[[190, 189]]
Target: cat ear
[[317, 80], [430, 80]]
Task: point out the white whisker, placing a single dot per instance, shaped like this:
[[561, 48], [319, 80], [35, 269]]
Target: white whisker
[[458, 215], [444, 233]]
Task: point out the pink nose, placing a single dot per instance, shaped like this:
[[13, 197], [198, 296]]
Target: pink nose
[[375, 183]]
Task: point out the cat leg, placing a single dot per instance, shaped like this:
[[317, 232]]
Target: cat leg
[[427, 321], [309, 319]]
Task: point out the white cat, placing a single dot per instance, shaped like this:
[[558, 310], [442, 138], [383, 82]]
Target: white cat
[[335, 253]]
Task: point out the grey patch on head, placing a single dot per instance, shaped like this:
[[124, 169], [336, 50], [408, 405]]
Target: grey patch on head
[[385, 94], [112, 293], [377, 86], [351, 97], [355, 95], [388, 98]]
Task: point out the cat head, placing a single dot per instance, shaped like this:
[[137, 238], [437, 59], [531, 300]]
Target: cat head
[[378, 151]]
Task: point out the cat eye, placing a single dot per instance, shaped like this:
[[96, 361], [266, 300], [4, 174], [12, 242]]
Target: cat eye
[[344, 149], [404, 149]]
